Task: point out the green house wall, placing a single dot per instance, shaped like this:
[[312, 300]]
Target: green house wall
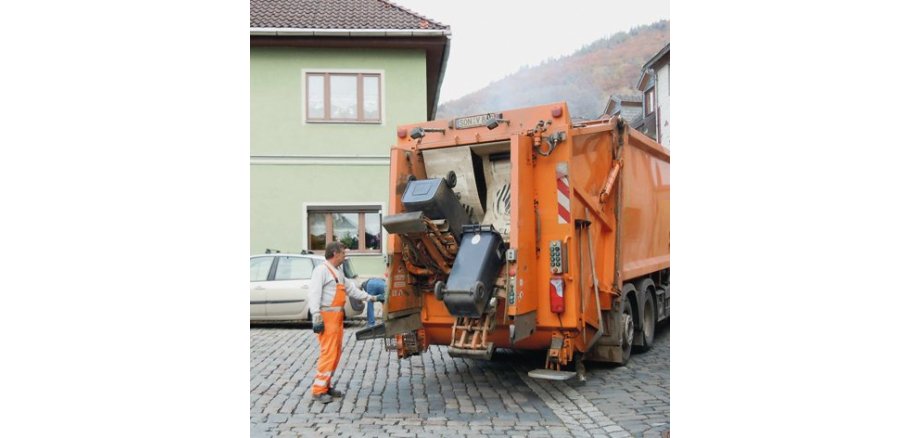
[[294, 164]]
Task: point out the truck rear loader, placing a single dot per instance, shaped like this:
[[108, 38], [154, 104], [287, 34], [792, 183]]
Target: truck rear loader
[[525, 230]]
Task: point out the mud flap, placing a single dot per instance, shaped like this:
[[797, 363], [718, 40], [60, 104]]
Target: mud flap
[[608, 348], [523, 326]]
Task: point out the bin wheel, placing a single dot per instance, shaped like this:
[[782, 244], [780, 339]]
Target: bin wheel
[[439, 290], [479, 291], [451, 179]]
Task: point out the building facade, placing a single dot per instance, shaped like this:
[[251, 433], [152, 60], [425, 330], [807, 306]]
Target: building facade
[[329, 82], [655, 85]]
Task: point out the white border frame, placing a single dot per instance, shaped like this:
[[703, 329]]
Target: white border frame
[[384, 236], [303, 96]]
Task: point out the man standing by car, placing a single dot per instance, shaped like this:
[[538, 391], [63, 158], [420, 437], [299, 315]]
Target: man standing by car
[[328, 288], [376, 287]]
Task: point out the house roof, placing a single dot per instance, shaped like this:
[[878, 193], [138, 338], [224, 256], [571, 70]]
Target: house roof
[[621, 99], [627, 98], [345, 24], [665, 51], [337, 14]]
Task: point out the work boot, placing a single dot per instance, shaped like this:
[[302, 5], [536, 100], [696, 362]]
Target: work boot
[[334, 392], [322, 398]]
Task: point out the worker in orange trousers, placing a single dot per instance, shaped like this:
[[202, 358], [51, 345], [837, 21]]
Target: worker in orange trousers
[[328, 287]]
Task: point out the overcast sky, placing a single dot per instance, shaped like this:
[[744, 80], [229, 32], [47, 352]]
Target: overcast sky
[[491, 39]]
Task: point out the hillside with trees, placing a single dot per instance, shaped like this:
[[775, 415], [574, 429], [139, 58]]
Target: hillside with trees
[[585, 79]]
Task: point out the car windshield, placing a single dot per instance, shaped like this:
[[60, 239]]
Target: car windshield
[[349, 272]]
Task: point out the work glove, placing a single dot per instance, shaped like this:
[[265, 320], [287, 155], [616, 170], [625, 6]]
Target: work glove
[[380, 298], [318, 326]]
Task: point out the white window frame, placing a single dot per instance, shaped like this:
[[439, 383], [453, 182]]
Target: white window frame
[[305, 241], [650, 108], [303, 96]]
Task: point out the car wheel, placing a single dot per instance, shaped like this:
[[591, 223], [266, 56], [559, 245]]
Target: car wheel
[[355, 306]]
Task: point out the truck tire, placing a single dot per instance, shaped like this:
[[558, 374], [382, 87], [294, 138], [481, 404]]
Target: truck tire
[[648, 315], [629, 323], [648, 325]]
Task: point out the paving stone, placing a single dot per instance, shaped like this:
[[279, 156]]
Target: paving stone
[[436, 395]]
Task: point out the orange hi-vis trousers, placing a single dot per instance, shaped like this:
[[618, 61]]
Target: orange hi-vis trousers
[[330, 341]]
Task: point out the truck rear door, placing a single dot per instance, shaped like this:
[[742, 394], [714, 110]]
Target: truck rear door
[[404, 298], [522, 297]]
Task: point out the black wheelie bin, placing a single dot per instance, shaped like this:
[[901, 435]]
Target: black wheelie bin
[[472, 277]]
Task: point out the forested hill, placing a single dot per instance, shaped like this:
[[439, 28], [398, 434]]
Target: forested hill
[[585, 79]]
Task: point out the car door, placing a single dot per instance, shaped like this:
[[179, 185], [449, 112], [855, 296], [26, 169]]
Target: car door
[[259, 270], [286, 294]]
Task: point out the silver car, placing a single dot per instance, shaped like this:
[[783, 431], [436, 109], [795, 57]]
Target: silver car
[[278, 286]]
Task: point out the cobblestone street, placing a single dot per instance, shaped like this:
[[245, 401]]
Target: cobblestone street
[[437, 395]]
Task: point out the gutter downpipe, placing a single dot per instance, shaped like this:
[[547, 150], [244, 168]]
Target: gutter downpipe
[[437, 92]]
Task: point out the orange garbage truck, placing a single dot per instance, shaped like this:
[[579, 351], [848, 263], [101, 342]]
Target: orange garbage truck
[[522, 229]]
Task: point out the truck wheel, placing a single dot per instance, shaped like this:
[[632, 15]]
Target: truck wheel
[[648, 324], [629, 329], [645, 302]]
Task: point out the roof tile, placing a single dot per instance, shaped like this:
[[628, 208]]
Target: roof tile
[[336, 14]]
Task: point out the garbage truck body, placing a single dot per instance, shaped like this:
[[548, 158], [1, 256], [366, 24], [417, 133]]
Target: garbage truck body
[[522, 229]]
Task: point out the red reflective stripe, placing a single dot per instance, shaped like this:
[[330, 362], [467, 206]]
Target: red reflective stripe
[[565, 214], [563, 187]]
